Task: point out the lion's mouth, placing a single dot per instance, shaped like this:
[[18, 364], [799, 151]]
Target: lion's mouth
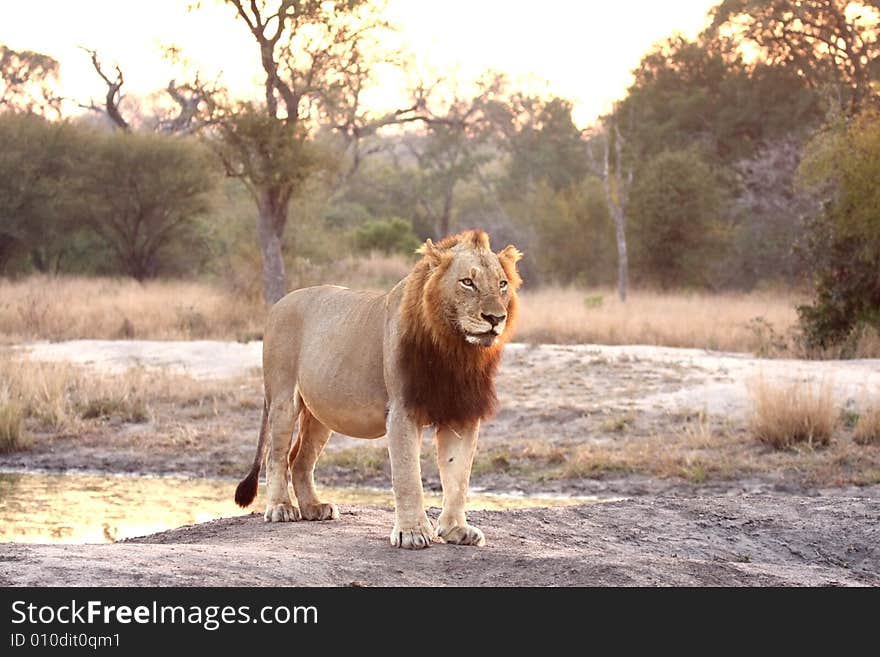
[[484, 338]]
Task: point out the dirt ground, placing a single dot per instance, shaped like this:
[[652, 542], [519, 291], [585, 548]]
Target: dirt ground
[[574, 419], [752, 540], [664, 428]]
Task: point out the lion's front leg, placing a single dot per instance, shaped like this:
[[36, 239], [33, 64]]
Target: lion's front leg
[[412, 528], [456, 447]]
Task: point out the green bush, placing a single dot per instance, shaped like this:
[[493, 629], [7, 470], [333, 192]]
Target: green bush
[[393, 235], [843, 242], [575, 236], [674, 207]]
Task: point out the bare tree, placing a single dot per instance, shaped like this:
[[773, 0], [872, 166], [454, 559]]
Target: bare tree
[[616, 188], [193, 103], [113, 97]]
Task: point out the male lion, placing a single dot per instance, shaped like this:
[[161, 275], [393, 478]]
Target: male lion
[[368, 364]]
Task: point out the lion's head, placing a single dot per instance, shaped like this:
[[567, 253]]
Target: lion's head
[[471, 289], [458, 310]]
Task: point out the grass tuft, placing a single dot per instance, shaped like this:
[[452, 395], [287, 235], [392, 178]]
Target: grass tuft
[[789, 414], [11, 420], [867, 429]]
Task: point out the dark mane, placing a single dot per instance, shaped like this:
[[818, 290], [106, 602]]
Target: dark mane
[[446, 381]]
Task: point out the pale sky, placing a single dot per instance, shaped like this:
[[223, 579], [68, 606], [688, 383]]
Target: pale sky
[[582, 50]]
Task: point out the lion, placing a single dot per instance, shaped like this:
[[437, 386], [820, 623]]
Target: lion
[[369, 364]]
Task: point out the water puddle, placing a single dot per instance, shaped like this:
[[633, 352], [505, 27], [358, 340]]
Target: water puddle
[[85, 508]]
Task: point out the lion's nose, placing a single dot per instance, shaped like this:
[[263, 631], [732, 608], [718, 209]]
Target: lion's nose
[[494, 320]]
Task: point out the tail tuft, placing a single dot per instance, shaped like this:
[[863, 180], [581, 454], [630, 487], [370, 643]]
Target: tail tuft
[[246, 491]]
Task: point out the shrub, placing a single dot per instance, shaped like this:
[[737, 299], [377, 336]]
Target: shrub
[[394, 235], [674, 207], [844, 240]]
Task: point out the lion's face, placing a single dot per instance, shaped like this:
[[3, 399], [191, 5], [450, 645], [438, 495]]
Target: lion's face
[[470, 289], [477, 292]]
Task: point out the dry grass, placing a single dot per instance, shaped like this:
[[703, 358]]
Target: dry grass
[[62, 308], [11, 419], [696, 451], [754, 322], [58, 308], [209, 426], [361, 463], [64, 399], [692, 453], [57, 396], [867, 429], [372, 272], [784, 415]]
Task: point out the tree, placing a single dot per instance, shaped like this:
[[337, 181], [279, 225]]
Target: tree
[[689, 94], [843, 161], [37, 164], [451, 150], [140, 192], [317, 58], [673, 205], [744, 120], [767, 218], [832, 44], [575, 237], [27, 81], [542, 142], [546, 184]]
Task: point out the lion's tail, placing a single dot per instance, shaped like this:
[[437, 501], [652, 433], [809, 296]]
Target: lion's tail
[[247, 488]]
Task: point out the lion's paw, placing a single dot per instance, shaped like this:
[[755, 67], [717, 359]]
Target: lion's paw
[[284, 512], [463, 535], [414, 538], [320, 511]]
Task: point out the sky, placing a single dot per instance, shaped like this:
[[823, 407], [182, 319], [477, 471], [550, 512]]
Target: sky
[[583, 50]]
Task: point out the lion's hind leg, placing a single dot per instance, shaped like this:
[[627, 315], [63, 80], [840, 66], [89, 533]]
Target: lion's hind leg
[[312, 437], [283, 413]]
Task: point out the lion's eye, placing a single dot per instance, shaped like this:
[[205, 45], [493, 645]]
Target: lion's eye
[[503, 285], [468, 283]]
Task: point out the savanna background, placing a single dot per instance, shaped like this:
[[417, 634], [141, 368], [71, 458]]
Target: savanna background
[[711, 187]]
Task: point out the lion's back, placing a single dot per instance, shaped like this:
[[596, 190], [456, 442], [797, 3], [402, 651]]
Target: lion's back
[[328, 341]]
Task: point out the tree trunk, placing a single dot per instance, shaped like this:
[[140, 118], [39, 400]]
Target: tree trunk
[[271, 220], [622, 258], [445, 217], [614, 195], [7, 250]]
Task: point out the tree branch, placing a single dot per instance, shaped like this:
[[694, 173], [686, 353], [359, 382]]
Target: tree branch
[[114, 92]]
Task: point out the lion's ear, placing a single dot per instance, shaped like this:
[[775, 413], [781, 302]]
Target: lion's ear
[[431, 252], [510, 253]]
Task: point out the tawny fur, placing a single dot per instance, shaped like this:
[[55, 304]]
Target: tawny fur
[[363, 364]]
